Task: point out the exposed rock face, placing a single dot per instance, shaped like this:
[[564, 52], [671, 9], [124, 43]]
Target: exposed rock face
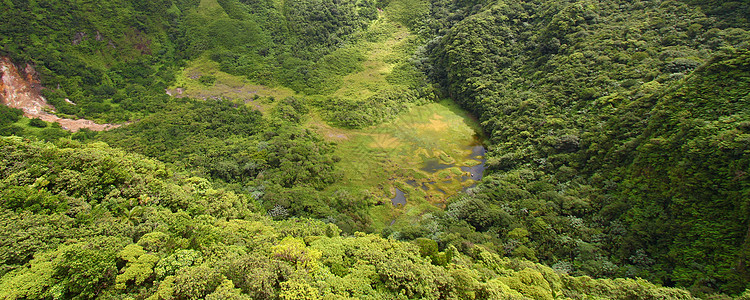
[[22, 90]]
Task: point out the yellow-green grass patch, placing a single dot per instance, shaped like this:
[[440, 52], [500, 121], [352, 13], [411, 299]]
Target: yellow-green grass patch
[[394, 155], [226, 86]]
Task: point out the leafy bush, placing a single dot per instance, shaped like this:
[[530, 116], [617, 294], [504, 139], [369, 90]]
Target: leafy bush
[[38, 123]]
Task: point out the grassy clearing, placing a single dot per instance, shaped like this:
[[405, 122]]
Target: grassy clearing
[[386, 44], [212, 8], [224, 86], [384, 83], [378, 159]]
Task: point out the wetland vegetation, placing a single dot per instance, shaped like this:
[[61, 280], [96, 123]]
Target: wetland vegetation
[[389, 149]]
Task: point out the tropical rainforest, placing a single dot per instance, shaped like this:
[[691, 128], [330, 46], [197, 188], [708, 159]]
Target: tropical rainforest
[[257, 146]]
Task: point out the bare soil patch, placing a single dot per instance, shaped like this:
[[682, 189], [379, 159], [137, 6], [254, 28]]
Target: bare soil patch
[[22, 89]]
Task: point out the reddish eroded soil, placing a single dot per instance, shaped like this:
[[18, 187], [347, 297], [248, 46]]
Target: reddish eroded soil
[[22, 90]]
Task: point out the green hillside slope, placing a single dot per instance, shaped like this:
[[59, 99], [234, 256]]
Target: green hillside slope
[[611, 157], [260, 139], [111, 58]]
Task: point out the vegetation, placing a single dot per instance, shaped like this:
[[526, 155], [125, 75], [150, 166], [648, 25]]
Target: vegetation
[[8, 116], [262, 140], [613, 139], [112, 58], [91, 221]]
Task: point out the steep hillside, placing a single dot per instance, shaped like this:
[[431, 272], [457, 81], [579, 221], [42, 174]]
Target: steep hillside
[[262, 138], [685, 186], [610, 152], [114, 58], [111, 58], [22, 91]]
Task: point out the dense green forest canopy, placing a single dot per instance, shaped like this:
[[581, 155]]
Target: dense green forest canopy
[[618, 137], [90, 221]]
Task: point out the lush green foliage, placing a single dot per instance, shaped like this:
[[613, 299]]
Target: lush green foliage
[[618, 134], [372, 110], [214, 137], [8, 116], [112, 58], [273, 160], [295, 43], [104, 230], [697, 137], [610, 157], [12, 123]]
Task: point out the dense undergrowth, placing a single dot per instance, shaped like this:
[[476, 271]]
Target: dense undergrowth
[[618, 136], [90, 221], [111, 58]]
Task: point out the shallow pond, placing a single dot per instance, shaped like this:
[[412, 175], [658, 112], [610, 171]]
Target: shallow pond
[[432, 166], [400, 199], [476, 171]]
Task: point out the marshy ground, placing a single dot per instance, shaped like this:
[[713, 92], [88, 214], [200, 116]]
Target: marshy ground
[[409, 165]]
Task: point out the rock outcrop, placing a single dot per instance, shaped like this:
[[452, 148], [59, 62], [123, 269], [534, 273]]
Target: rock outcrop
[[22, 89]]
